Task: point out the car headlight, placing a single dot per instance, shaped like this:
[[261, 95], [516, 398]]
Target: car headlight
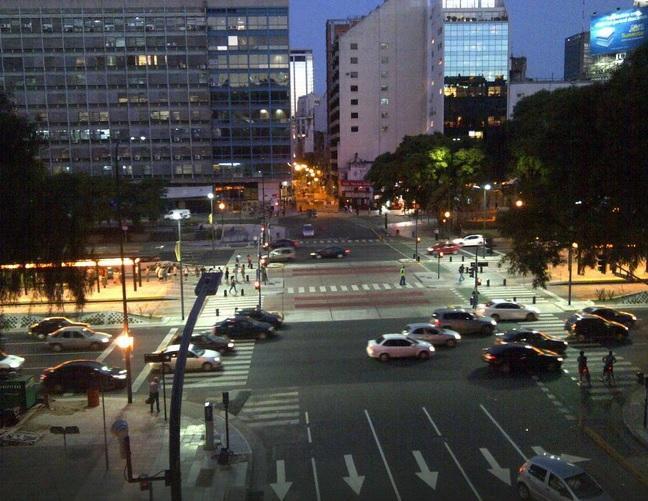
[[559, 359], [230, 345], [120, 376], [457, 336]]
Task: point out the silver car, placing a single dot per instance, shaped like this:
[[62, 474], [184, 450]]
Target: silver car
[[78, 338], [197, 358], [398, 346], [551, 478], [434, 335]]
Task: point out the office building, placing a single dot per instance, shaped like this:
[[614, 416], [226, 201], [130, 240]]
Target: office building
[[301, 76], [519, 90], [577, 57], [305, 124], [190, 91]]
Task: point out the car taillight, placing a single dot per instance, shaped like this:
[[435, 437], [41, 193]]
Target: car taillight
[[347, 251], [437, 323], [489, 357], [522, 468]]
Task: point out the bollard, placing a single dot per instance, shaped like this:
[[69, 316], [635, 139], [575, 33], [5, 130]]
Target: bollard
[[209, 427], [451, 259], [235, 310], [224, 293], [418, 259], [504, 282], [534, 300], [463, 258], [514, 299], [247, 278], [218, 312], [488, 282], [414, 256], [242, 291]]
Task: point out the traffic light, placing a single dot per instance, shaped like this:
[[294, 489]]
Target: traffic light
[[601, 264], [471, 271]]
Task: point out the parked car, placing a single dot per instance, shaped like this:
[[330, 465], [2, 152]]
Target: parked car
[[78, 338], [243, 327], [591, 327], [10, 363], [398, 346], [79, 375], [462, 321], [433, 335], [621, 317], [42, 328], [332, 251], [178, 214], [308, 230], [207, 341], [281, 242], [508, 357], [503, 309], [549, 477], [273, 318], [280, 255], [469, 240], [532, 337], [198, 359], [445, 248]]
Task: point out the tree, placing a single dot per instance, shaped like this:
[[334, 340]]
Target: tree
[[580, 164]]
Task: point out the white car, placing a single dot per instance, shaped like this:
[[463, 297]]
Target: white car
[[308, 230], [197, 358], [178, 214], [469, 240], [281, 254], [398, 346], [433, 335], [503, 309], [10, 363]]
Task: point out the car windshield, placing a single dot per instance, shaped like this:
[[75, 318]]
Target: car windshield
[[583, 486], [490, 303], [87, 331], [308, 227], [379, 339], [198, 352]]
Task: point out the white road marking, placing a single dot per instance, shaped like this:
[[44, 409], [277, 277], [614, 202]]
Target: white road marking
[[355, 288], [499, 427], [317, 491], [301, 290], [291, 290], [333, 288], [322, 288], [344, 288], [376, 286], [141, 377], [366, 287], [311, 289], [387, 286], [382, 454]]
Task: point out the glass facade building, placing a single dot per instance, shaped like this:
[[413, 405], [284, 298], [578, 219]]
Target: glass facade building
[[476, 66], [181, 90]]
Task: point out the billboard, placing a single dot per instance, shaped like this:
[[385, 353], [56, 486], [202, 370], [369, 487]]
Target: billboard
[[618, 31]]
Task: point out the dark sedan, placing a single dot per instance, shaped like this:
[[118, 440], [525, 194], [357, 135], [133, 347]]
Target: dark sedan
[[208, 341], [79, 375], [243, 327], [612, 315], [586, 327], [330, 252], [273, 318], [532, 337], [509, 357], [48, 325]]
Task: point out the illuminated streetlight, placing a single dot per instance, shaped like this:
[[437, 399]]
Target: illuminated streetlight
[[125, 342], [210, 195], [519, 203], [178, 253], [221, 207]]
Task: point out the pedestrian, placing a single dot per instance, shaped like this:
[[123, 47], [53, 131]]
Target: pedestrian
[[436, 234], [264, 275], [233, 286], [186, 272], [249, 260], [238, 259], [462, 269], [154, 394], [583, 370], [402, 275], [227, 273], [474, 298], [608, 368]]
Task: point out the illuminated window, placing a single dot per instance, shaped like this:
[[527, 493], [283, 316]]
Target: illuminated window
[[384, 101], [232, 41]]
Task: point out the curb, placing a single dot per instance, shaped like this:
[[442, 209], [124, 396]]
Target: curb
[[638, 436]]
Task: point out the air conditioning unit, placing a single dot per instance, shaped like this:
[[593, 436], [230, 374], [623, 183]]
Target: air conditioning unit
[[178, 157], [157, 157], [138, 157], [197, 157]]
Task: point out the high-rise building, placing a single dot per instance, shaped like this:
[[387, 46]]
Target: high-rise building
[[301, 76], [305, 123], [577, 57], [192, 91]]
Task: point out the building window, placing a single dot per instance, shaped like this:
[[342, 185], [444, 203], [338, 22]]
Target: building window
[[354, 46], [384, 88], [384, 74], [353, 74], [384, 60], [354, 115], [354, 88], [354, 128], [384, 128], [354, 102], [384, 114], [384, 45], [384, 101], [354, 60]]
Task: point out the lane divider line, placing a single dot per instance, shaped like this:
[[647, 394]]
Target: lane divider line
[[144, 374], [382, 454]]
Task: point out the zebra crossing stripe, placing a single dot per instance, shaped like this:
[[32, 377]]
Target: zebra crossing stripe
[[387, 286], [365, 287], [301, 290], [311, 289], [418, 285], [322, 288], [355, 288], [344, 288], [376, 286], [333, 288], [291, 290]]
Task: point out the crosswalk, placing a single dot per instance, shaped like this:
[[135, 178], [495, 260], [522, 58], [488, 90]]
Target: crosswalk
[[236, 368], [382, 286], [552, 325], [226, 306], [342, 240], [272, 409], [519, 292]]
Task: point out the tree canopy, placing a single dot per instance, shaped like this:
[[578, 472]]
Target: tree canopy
[[580, 163]]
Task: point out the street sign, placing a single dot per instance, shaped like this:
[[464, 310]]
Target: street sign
[[178, 251]]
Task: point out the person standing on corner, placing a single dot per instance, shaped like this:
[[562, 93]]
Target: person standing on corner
[[402, 275], [154, 394]]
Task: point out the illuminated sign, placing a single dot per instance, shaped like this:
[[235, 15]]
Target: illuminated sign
[[619, 31]]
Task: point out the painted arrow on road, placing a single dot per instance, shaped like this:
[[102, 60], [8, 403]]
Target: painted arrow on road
[[503, 474], [354, 480], [565, 457], [281, 487], [429, 477]]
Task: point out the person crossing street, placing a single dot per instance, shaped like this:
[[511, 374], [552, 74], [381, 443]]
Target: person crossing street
[[233, 285], [608, 368], [583, 370], [402, 275]]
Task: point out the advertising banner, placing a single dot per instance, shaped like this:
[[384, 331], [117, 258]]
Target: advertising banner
[[619, 31]]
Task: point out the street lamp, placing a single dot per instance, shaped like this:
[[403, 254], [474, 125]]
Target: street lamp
[[519, 203], [125, 342], [178, 253], [487, 187], [221, 207], [570, 251], [263, 205], [446, 216], [416, 237], [210, 195]]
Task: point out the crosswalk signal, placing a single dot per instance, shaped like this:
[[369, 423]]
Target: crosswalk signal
[[601, 264]]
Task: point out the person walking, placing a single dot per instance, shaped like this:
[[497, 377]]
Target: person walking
[[462, 269], [227, 273], [583, 370], [608, 368], [238, 259], [249, 260], [436, 234], [474, 298], [233, 286], [154, 394], [402, 275]]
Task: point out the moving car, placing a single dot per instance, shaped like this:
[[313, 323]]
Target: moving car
[[462, 321], [333, 251], [207, 341], [532, 337], [503, 309], [79, 375], [308, 230], [433, 335], [552, 478], [78, 338], [42, 328], [621, 317], [514, 356], [398, 346], [445, 248], [281, 242], [469, 241], [591, 327], [178, 214], [10, 363], [243, 327], [280, 255], [198, 359], [273, 318]]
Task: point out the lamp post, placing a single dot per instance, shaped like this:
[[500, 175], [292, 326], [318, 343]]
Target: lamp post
[[416, 237], [211, 216], [221, 207], [178, 253], [570, 252], [487, 187], [447, 215], [125, 342], [263, 206]]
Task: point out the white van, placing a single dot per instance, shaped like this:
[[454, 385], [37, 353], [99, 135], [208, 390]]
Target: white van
[[178, 214]]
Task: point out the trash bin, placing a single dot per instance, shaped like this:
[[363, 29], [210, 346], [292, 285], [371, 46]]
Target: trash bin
[[93, 397], [18, 391]]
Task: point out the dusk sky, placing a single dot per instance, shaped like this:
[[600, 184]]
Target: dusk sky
[[538, 28]]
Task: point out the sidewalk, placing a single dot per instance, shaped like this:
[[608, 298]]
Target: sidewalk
[[80, 471], [633, 412]]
